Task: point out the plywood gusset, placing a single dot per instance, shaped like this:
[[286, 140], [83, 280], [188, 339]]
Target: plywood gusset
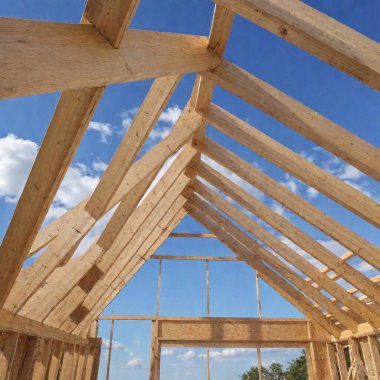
[[60, 296]]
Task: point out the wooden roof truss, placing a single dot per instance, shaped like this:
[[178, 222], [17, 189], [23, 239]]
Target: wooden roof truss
[[67, 292]]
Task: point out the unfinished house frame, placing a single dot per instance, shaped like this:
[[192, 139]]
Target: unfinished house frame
[[49, 310]]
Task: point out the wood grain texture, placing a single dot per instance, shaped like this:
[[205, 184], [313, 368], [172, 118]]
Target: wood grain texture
[[39, 57], [317, 33]]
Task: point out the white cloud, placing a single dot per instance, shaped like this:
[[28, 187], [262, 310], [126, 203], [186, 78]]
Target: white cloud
[[104, 130], [279, 209], [16, 160], [135, 363], [127, 117], [229, 353], [349, 172], [188, 355], [290, 183], [311, 192], [99, 166], [167, 352], [159, 133], [364, 267], [115, 345], [170, 115]]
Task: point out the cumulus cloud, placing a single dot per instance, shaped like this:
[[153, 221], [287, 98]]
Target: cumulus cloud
[[165, 123], [127, 117], [16, 160], [229, 353], [171, 114], [290, 183], [135, 363], [104, 129]]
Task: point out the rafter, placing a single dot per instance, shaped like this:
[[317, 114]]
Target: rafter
[[292, 201], [127, 241], [298, 117], [291, 294], [294, 164], [292, 232], [315, 32], [292, 258], [77, 222]]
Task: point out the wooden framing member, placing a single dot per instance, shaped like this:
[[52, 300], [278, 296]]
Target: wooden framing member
[[135, 230], [294, 164], [298, 237], [51, 164], [286, 253], [51, 56], [299, 117], [291, 294], [76, 223], [201, 258], [144, 121], [129, 272], [295, 203], [315, 32], [235, 332]]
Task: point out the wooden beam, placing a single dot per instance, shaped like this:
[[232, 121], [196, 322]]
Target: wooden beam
[[109, 265], [8, 346], [183, 130], [296, 235], [111, 17], [218, 331], [294, 164], [292, 201], [64, 278], [295, 115], [120, 247], [14, 323], [76, 223], [144, 121], [40, 57], [317, 33], [127, 273], [285, 252], [291, 294], [67, 127]]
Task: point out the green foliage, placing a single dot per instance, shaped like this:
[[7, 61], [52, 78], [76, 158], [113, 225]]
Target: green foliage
[[297, 370]]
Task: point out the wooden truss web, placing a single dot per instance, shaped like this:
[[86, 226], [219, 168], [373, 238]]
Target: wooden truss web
[[65, 293]]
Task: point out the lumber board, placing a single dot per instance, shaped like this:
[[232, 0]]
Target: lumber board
[[66, 129], [294, 164], [291, 294], [14, 323], [317, 33], [285, 252], [113, 291], [40, 57], [144, 121], [222, 331], [183, 130], [295, 203], [70, 227], [296, 235], [64, 278], [131, 235], [295, 115]]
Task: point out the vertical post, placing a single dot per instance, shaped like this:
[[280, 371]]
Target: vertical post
[[375, 354], [8, 345], [110, 350], [208, 314], [358, 368], [341, 359], [259, 359], [155, 353], [159, 288]]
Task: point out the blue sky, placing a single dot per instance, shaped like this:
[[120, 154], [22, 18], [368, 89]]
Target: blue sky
[[348, 102]]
